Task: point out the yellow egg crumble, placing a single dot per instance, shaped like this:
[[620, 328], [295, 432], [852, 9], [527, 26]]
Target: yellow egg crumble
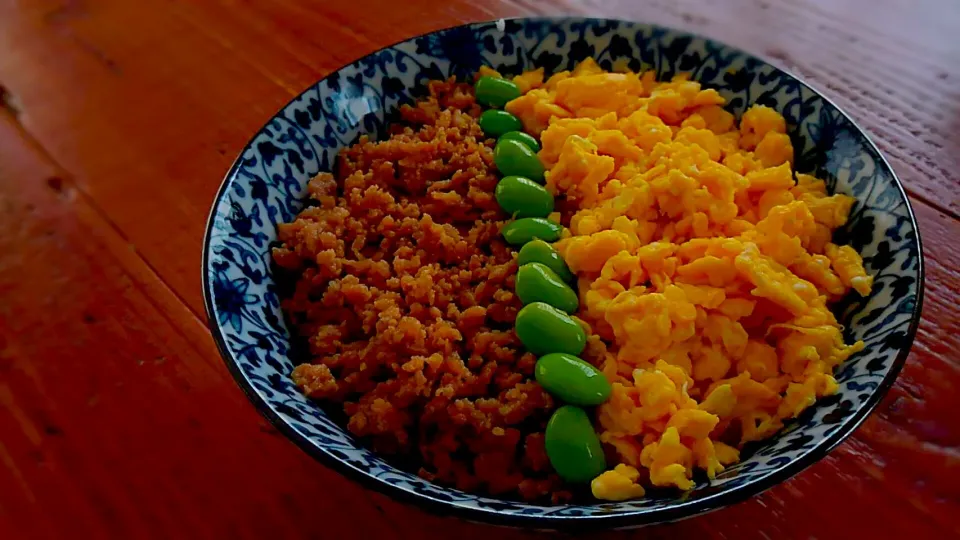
[[705, 266]]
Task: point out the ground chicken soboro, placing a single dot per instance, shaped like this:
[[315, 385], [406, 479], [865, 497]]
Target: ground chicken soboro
[[404, 293]]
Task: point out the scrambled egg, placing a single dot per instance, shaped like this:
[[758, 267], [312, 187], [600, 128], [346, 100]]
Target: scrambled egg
[[705, 266], [618, 484]]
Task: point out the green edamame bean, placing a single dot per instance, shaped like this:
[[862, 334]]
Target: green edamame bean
[[544, 329], [573, 446], [543, 253], [572, 380], [495, 92], [528, 140], [537, 283], [523, 230], [522, 197], [495, 123], [513, 157]]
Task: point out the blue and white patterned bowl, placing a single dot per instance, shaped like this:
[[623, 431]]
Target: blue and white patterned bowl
[[268, 180]]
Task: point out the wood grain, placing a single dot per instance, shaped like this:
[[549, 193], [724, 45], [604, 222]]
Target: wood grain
[[125, 424], [118, 120], [181, 87]]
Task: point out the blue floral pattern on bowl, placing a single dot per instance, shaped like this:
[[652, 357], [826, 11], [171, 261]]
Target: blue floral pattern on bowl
[[266, 184]]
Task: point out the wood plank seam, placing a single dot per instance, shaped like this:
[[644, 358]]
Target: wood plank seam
[[64, 183], [13, 114], [897, 82]]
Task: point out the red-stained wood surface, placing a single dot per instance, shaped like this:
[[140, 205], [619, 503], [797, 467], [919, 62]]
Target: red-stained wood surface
[[118, 120]]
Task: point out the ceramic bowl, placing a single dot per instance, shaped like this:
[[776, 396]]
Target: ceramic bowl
[[267, 182]]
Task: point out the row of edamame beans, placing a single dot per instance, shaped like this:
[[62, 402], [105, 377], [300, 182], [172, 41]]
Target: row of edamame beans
[[543, 285]]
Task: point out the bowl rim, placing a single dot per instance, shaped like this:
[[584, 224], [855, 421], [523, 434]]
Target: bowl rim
[[641, 517]]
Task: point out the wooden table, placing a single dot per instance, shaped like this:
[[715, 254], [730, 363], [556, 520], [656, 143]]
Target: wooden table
[[118, 121]]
